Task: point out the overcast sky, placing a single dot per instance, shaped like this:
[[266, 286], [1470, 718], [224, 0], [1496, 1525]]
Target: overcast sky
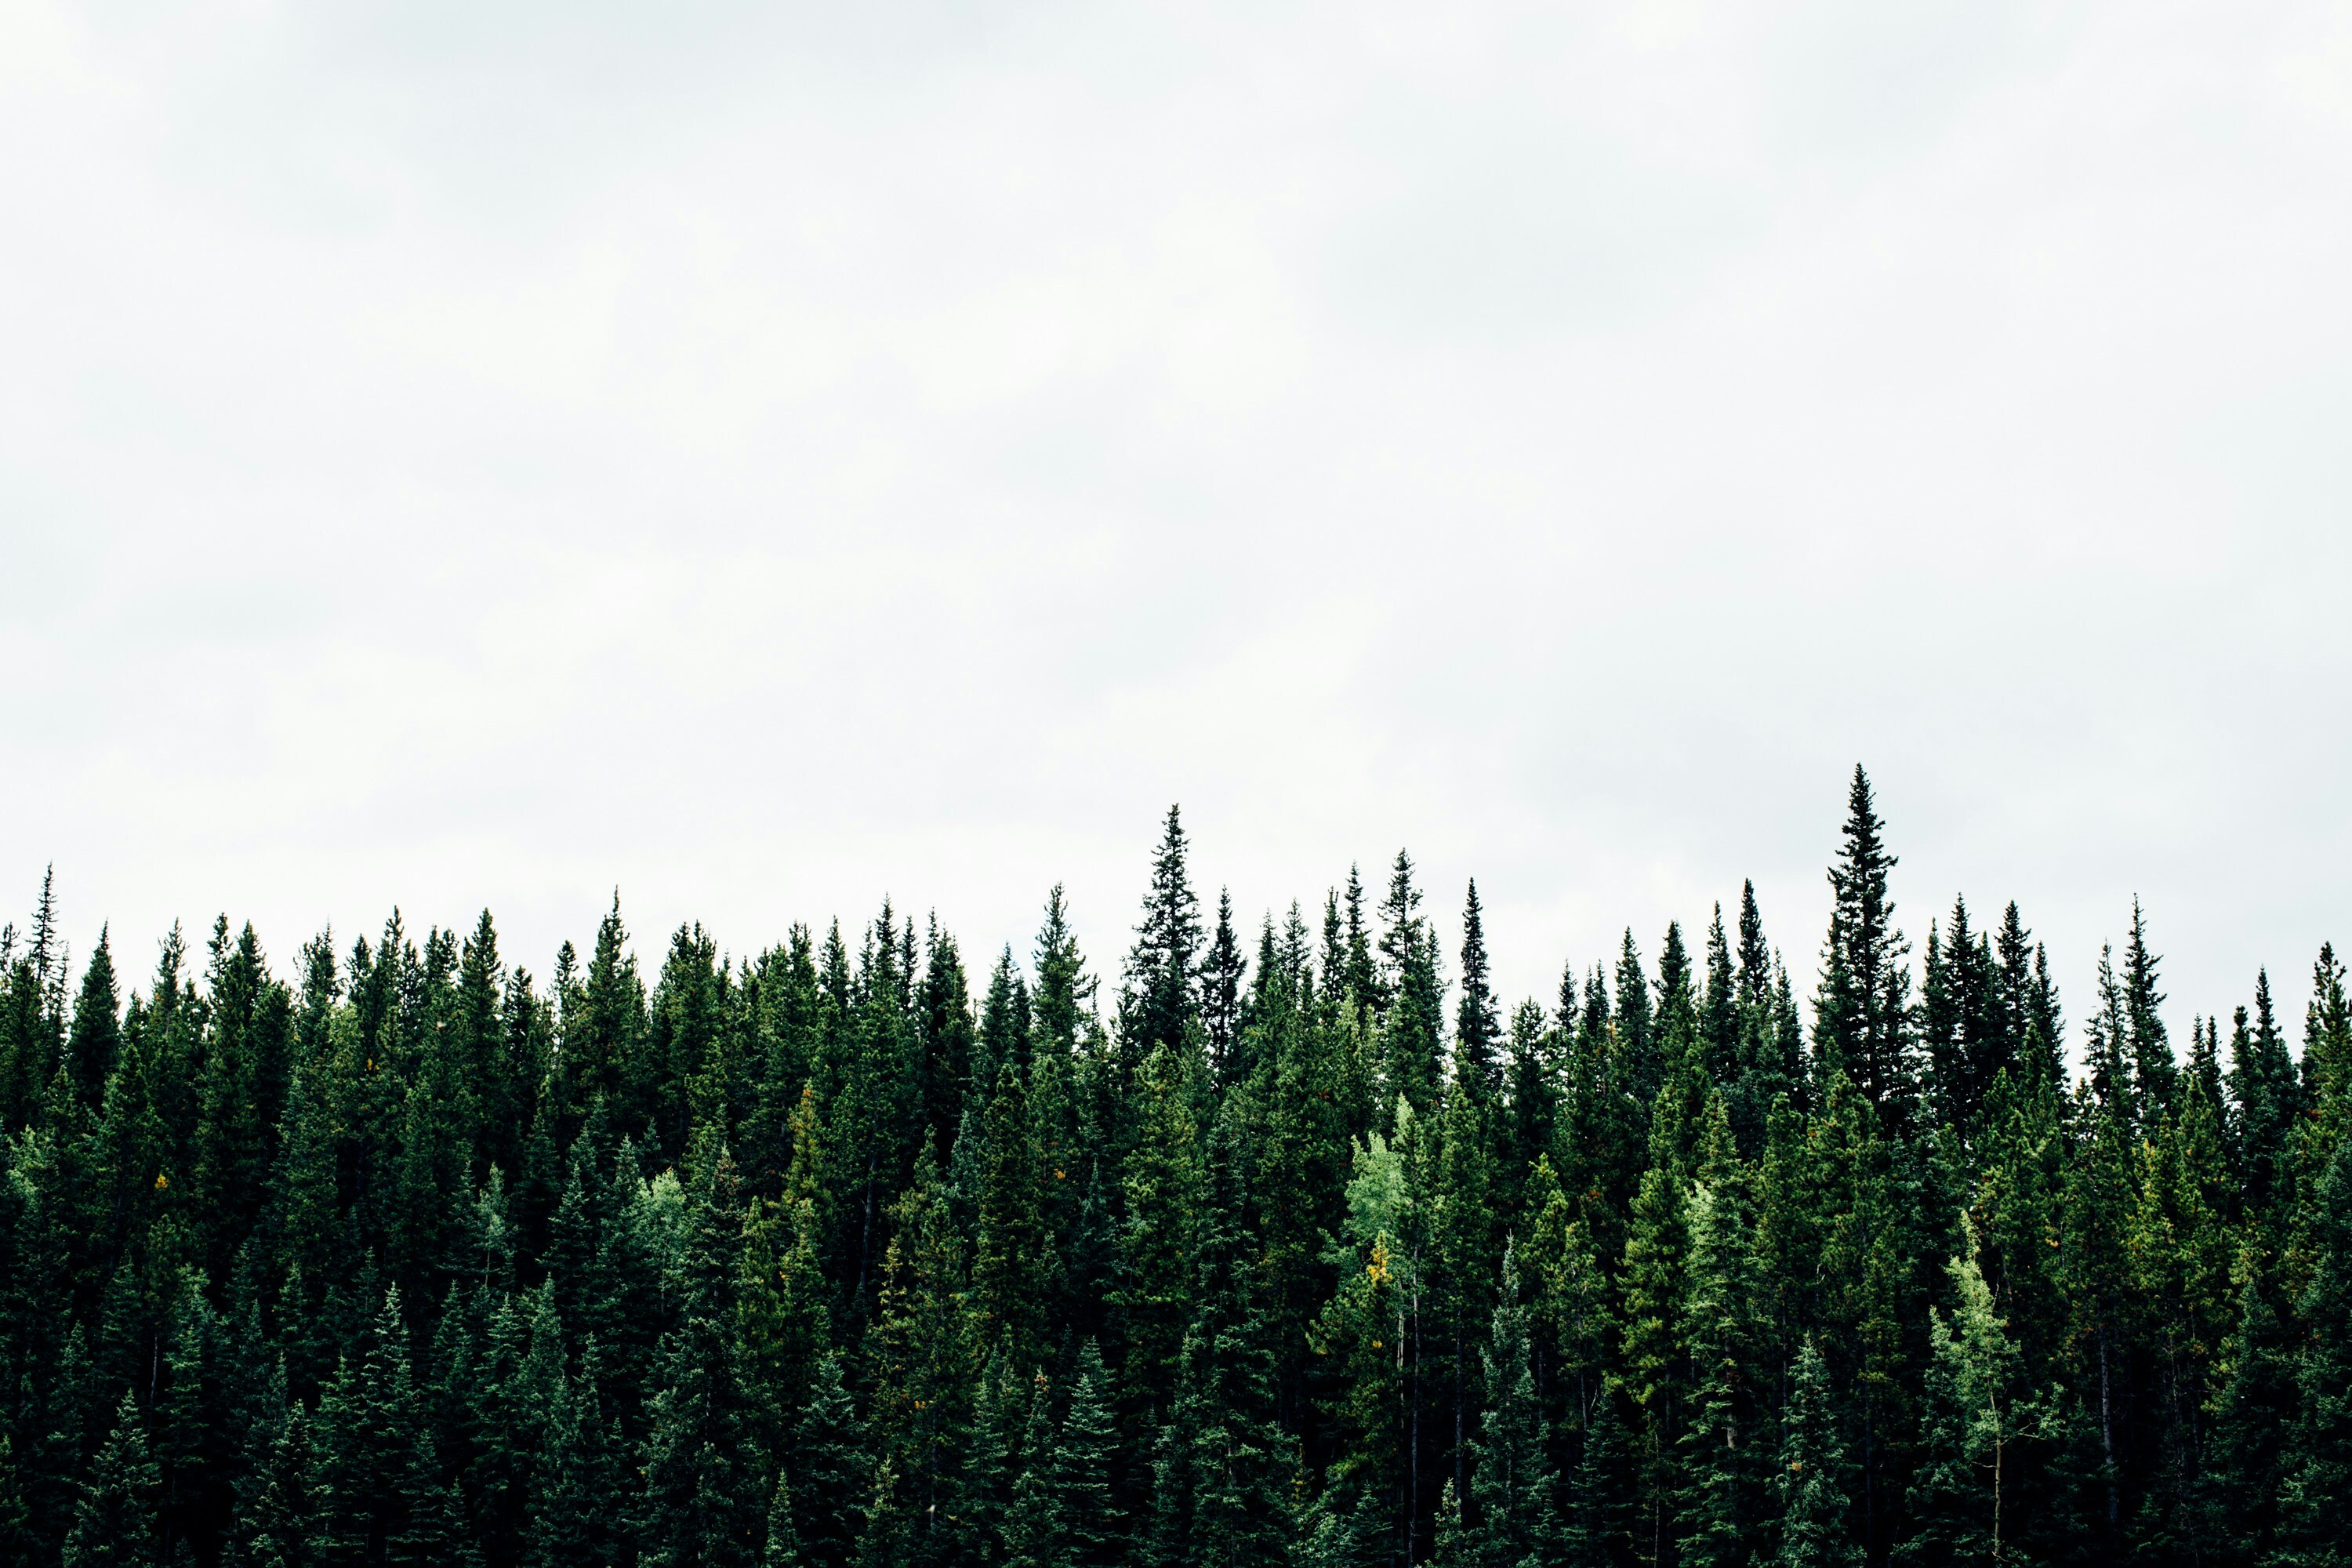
[[767, 457]]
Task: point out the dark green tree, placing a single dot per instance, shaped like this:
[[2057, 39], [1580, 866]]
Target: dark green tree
[[115, 1526]]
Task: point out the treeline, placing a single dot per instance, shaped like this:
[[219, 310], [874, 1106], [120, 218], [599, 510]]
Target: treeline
[[1300, 1250]]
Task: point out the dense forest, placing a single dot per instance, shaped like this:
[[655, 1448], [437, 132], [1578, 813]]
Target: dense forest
[[1301, 1248]]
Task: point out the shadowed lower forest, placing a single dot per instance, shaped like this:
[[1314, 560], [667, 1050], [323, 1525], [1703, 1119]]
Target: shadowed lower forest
[[1296, 1246]]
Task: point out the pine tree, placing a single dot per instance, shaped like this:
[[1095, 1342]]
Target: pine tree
[[703, 1492], [95, 1039], [1600, 1512], [830, 1472], [116, 1523], [2318, 1463], [1979, 1419], [1477, 1028], [1236, 1465], [780, 1541], [1029, 1540], [1409, 978], [1719, 1505], [1517, 1517], [1653, 1367], [922, 1352], [1087, 1529], [1157, 1273], [2153, 1069], [1159, 998], [581, 1498], [1008, 1267], [1862, 1009], [275, 1529], [1814, 1505], [1223, 970], [375, 1470], [1360, 1337]]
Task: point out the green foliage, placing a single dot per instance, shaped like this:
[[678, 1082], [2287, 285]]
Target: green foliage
[[1315, 1250]]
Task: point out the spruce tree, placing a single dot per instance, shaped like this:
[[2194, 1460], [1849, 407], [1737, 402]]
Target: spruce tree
[[1720, 1325], [2318, 1462], [1159, 997], [115, 1526], [1088, 1530], [1223, 970], [1814, 1507], [1862, 1009], [1979, 1419], [582, 1495], [96, 1039], [1518, 1516], [1235, 1462], [704, 1494], [1601, 1523], [1009, 1266], [830, 1472], [1477, 1026]]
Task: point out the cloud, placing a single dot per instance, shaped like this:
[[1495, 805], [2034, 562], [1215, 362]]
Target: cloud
[[770, 457]]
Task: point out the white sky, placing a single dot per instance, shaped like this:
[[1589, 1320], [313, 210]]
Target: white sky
[[768, 456]]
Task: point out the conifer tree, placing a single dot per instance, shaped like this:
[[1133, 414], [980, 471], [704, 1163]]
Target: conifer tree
[[115, 1526], [1408, 979], [830, 1472], [1089, 1529], [402, 1261], [1600, 1531], [922, 1352], [703, 1495], [1978, 1420], [780, 1541], [1477, 1027], [1813, 1531], [1159, 997], [1634, 1033], [1223, 970], [274, 1531], [1862, 1009], [1517, 1517], [2318, 1462], [1157, 1272], [1234, 1463], [1008, 1270], [375, 1471], [581, 1499], [1719, 1326], [97, 1036]]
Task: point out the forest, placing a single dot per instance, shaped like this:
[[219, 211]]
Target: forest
[[1295, 1248]]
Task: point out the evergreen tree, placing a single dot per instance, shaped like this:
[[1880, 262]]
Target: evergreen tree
[[1087, 1529], [1477, 1028], [116, 1523], [401, 1258], [2318, 1463], [375, 1471], [1232, 1460], [1159, 998], [95, 1039], [1862, 1010], [1814, 1505], [1719, 1505], [1009, 1270], [830, 1472], [1978, 1419], [1223, 970], [704, 1494], [1408, 979], [1517, 1514]]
